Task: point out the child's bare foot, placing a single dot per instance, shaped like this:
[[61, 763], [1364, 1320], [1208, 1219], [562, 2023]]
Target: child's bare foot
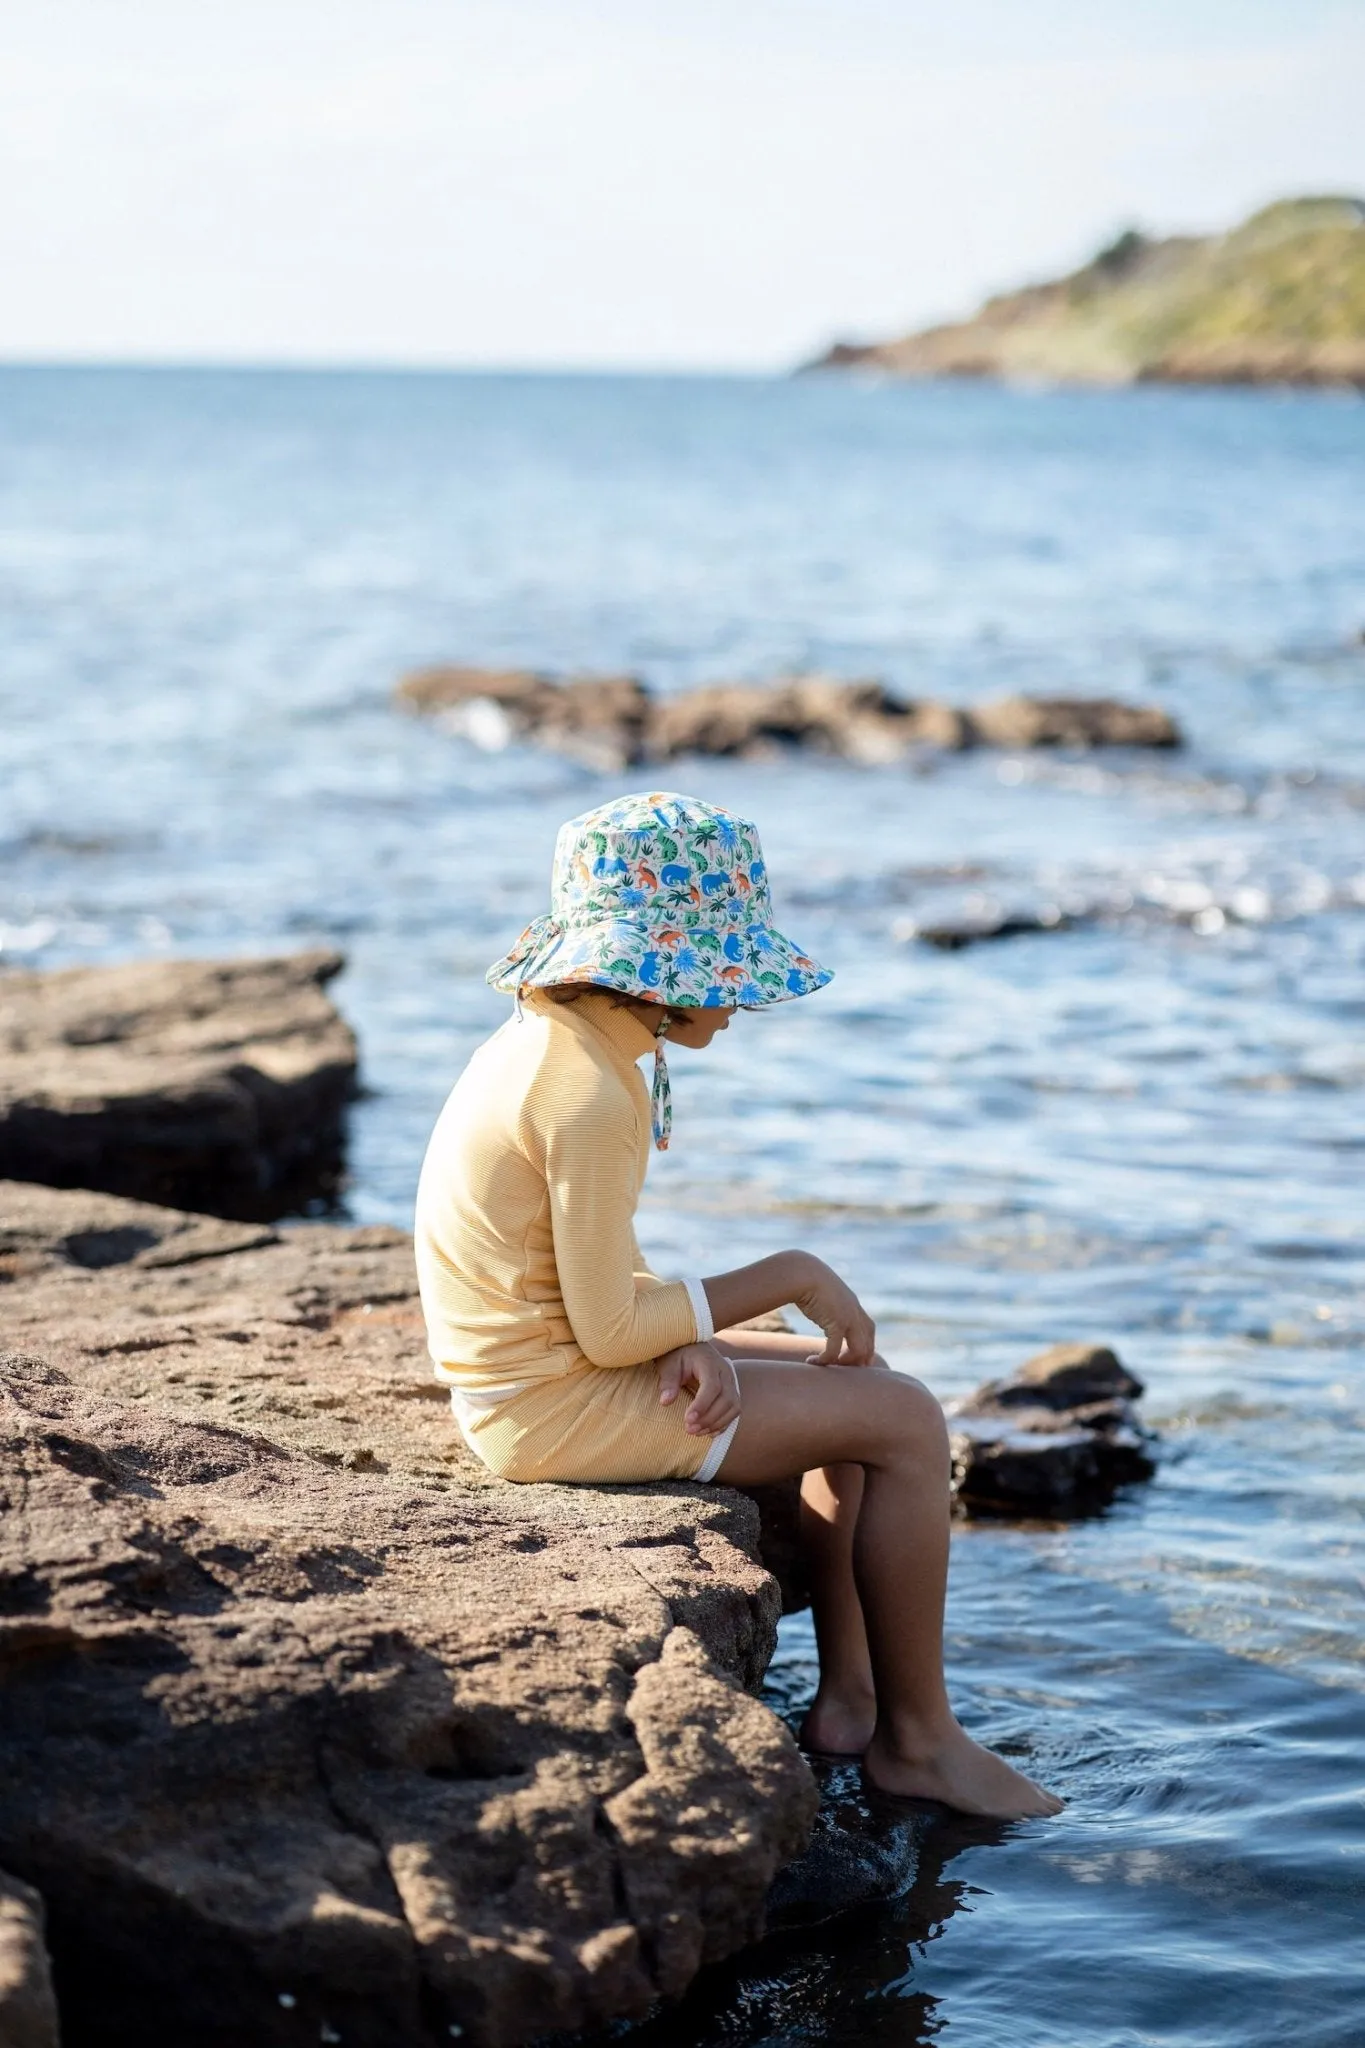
[[839, 1724], [958, 1772]]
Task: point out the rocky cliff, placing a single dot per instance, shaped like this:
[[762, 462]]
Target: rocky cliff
[[1278, 300]]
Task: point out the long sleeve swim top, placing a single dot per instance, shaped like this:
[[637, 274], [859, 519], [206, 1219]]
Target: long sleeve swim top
[[527, 1257]]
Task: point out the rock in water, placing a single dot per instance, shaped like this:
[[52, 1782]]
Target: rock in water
[[598, 719], [312, 1729], [614, 721], [1074, 722], [28, 2009], [216, 1085], [862, 1851], [1060, 1437]]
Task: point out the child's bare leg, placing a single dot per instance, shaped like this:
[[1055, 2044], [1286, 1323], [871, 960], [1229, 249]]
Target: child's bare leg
[[843, 1713], [797, 1416]]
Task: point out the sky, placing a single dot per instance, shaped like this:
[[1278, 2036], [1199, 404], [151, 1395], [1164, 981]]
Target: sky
[[651, 184]]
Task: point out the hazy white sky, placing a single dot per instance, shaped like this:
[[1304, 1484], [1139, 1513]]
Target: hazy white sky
[[621, 182]]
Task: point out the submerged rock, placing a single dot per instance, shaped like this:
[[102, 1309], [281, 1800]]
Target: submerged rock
[[1059, 1437], [312, 1729], [615, 721], [950, 935], [217, 1085], [864, 1849], [28, 2009]]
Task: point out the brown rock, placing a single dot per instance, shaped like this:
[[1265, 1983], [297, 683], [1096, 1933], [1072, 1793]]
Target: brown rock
[[614, 721], [1064, 1378], [218, 1085], [599, 719], [1059, 1437], [315, 1725], [1071, 722], [520, 691], [858, 720], [28, 2009]]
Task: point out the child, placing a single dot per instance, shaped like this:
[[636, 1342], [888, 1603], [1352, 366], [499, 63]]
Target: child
[[567, 1359]]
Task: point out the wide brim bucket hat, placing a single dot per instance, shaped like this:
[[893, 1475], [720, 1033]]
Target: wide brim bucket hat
[[665, 899]]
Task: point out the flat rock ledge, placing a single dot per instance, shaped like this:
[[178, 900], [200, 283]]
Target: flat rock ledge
[[309, 1729], [215, 1085], [616, 721]]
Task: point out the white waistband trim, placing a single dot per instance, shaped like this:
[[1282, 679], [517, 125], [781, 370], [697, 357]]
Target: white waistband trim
[[469, 1401], [715, 1457]]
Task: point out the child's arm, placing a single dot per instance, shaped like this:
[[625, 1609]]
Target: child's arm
[[800, 1278], [591, 1161]]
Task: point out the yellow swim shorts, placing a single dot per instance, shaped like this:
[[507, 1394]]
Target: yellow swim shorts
[[592, 1424]]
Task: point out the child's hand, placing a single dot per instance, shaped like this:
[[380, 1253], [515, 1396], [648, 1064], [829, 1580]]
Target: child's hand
[[850, 1333], [710, 1378]]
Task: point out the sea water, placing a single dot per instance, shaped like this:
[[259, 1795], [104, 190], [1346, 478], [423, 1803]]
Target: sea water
[[1141, 1127]]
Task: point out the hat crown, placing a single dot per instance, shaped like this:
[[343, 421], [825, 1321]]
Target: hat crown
[[659, 859]]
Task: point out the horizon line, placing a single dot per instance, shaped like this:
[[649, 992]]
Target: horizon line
[[267, 365]]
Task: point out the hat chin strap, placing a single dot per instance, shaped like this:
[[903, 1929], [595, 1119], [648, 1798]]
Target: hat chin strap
[[661, 1094]]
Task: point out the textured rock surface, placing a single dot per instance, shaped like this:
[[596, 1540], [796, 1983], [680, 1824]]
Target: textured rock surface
[[208, 1084], [312, 1729], [1059, 1437], [28, 2008], [614, 720]]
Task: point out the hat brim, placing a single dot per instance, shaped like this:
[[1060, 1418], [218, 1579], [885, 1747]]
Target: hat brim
[[690, 967]]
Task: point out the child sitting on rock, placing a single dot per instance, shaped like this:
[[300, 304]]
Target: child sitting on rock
[[568, 1359]]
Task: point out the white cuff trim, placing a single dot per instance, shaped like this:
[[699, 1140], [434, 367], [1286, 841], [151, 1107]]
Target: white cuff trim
[[701, 1309], [715, 1457]]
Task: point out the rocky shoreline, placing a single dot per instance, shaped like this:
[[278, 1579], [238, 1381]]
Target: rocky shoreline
[[312, 1730], [614, 722]]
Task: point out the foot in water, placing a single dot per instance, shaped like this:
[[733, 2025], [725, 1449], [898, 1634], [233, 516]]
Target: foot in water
[[839, 1725], [958, 1773]]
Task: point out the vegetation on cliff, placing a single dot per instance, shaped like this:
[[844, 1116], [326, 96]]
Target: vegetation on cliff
[[1278, 300]]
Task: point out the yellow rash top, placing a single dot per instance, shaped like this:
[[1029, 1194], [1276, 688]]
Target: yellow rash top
[[527, 1259]]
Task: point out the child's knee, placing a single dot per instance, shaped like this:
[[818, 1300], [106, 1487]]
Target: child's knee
[[920, 1423]]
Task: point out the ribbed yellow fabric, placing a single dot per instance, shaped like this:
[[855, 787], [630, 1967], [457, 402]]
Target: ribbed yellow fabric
[[590, 1427], [527, 1258]]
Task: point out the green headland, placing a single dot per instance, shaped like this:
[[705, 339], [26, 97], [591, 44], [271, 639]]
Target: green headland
[[1278, 300]]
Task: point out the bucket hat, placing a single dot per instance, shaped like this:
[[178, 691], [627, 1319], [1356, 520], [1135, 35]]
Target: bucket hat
[[665, 899]]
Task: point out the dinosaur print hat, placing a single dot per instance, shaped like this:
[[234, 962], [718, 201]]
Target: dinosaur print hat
[[666, 899]]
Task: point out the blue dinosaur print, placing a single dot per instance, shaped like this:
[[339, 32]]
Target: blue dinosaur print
[[665, 897]]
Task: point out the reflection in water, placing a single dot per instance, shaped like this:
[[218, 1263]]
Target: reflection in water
[[1205, 1884]]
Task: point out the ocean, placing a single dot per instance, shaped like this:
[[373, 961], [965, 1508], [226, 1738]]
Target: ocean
[[1142, 1127]]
